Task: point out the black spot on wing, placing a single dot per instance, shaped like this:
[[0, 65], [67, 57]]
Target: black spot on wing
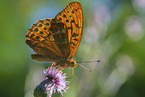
[[36, 30], [48, 20], [37, 37], [72, 21], [32, 35], [34, 25], [77, 25], [75, 39], [60, 18], [41, 21], [44, 28], [69, 27], [41, 32], [30, 30], [74, 35], [47, 24], [64, 16], [73, 43], [72, 47], [67, 21], [40, 25]]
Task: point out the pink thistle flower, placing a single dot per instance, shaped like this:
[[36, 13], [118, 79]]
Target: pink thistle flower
[[54, 81]]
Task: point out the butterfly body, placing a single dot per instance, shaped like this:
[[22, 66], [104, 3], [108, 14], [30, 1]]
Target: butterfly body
[[60, 62], [56, 39], [66, 63]]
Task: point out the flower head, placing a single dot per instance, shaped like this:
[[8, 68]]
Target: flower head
[[55, 80]]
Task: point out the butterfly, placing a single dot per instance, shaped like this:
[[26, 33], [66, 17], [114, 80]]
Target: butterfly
[[57, 39]]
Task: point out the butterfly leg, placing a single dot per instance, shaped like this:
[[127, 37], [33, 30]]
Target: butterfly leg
[[58, 71], [85, 67], [72, 74], [49, 68]]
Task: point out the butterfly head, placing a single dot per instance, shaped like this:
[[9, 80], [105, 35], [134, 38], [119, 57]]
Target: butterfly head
[[73, 63]]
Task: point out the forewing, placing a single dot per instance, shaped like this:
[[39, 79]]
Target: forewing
[[72, 17], [58, 37], [40, 38]]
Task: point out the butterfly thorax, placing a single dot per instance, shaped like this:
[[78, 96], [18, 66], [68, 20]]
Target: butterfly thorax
[[66, 63]]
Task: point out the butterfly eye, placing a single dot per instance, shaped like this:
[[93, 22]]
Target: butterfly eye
[[72, 62]]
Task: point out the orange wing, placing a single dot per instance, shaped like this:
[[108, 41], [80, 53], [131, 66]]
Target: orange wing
[[72, 17], [59, 37], [48, 38]]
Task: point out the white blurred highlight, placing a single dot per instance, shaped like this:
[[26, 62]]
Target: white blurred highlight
[[96, 22], [134, 28], [125, 69], [139, 5], [34, 77]]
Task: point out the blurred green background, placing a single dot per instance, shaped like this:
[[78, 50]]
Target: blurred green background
[[113, 32]]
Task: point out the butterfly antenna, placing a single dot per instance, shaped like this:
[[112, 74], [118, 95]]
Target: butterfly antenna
[[85, 67], [89, 61]]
